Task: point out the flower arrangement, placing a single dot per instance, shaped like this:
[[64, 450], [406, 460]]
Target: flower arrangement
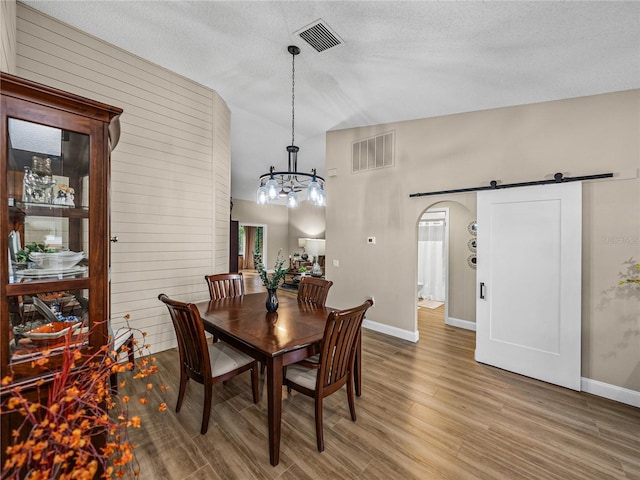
[[273, 282], [55, 440]]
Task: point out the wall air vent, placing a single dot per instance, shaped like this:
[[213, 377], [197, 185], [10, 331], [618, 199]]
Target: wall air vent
[[319, 35], [374, 152]]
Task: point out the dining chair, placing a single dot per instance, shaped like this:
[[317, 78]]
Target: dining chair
[[335, 368], [225, 285], [313, 290], [205, 363]]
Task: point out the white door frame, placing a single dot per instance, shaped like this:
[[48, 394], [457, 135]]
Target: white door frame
[[264, 237]]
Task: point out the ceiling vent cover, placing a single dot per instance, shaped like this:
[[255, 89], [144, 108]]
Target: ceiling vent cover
[[319, 35]]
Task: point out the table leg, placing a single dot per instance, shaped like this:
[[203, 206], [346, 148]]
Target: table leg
[[274, 406], [357, 369]]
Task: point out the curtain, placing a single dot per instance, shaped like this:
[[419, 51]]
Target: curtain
[[249, 247], [431, 260]]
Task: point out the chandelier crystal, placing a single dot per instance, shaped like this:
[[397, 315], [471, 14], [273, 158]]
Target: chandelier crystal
[[287, 184]]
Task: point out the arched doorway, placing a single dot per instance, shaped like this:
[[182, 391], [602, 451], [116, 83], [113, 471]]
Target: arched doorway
[[446, 266]]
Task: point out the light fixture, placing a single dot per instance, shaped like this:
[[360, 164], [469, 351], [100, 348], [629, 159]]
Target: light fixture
[[288, 183]]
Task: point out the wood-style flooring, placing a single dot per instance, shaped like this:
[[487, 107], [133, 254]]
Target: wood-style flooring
[[427, 411]]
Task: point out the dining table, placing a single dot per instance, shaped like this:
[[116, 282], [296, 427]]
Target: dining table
[[288, 335]]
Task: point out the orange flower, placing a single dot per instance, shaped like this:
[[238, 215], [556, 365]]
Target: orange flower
[[162, 407], [143, 401], [6, 380]]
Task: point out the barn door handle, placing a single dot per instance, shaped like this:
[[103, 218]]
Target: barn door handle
[[482, 290]]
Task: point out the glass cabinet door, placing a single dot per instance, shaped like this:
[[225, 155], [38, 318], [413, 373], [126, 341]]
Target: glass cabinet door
[[48, 201], [48, 188]]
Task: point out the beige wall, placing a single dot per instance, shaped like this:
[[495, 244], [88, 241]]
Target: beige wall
[[170, 173], [8, 36], [580, 136], [284, 225], [276, 220], [306, 221]]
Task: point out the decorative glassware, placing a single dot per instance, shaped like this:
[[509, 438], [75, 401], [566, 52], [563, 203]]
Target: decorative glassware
[[38, 181]]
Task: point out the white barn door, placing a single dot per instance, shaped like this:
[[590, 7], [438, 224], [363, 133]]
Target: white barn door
[[529, 281]]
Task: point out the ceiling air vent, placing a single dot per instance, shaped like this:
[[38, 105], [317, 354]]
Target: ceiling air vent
[[319, 35]]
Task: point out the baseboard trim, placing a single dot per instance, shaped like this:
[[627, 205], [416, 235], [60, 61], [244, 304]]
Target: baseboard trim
[[456, 322], [612, 392], [392, 331]]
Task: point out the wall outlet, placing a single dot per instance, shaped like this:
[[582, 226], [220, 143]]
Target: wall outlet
[[371, 240], [336, 263]]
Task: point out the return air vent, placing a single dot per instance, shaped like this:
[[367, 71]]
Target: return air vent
[[319, 35], [374, 152]]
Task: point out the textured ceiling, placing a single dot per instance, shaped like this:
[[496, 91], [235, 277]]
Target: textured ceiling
[[399, 61]]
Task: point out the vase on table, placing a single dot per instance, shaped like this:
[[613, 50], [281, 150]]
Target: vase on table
[[272, 300]]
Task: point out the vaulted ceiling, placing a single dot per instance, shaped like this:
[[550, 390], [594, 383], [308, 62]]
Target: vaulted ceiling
[[397, 61]]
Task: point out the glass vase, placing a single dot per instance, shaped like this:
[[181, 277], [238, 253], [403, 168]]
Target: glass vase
[[272, 300]]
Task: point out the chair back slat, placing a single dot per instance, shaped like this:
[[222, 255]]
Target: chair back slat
[[339, 342], [313, 290], [225, 285], [192, 342]]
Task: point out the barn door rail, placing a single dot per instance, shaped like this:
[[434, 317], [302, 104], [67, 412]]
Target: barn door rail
[[493, 185]]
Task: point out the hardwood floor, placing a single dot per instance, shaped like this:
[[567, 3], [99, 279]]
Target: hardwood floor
[[427, 411]]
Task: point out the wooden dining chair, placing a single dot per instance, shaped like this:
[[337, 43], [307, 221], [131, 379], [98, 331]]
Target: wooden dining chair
[[225, 285], [337, 354], [205, 363], [313, 290]]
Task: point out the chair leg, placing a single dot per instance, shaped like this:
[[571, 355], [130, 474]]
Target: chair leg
[[351, 398], [183, 387], [208, 393], [255, 383], [319, 431]]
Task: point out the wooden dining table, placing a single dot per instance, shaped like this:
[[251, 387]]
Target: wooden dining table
[[290, 334]]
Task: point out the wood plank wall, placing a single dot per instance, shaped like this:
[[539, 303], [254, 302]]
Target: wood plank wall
[[170, 173], [8, 36]]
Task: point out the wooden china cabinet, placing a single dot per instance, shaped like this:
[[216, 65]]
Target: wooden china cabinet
[[54, 272]]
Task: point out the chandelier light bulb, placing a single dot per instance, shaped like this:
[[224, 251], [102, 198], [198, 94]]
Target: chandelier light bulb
[[272, 189], [292, 199], [261, 197]]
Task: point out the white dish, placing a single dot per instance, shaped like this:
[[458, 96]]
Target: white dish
[[60, 260], [51, 272]]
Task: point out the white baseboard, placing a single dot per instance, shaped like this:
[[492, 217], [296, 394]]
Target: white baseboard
[[456, 322], [612, 392], [392, 331]]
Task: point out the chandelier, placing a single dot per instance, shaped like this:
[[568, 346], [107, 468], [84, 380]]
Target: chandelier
[[287, 184]]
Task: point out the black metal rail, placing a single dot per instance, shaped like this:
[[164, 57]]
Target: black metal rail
[[493, 185]]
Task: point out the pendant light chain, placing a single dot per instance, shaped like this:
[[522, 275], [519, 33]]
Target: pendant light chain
[[293, 98], [277, 184]]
